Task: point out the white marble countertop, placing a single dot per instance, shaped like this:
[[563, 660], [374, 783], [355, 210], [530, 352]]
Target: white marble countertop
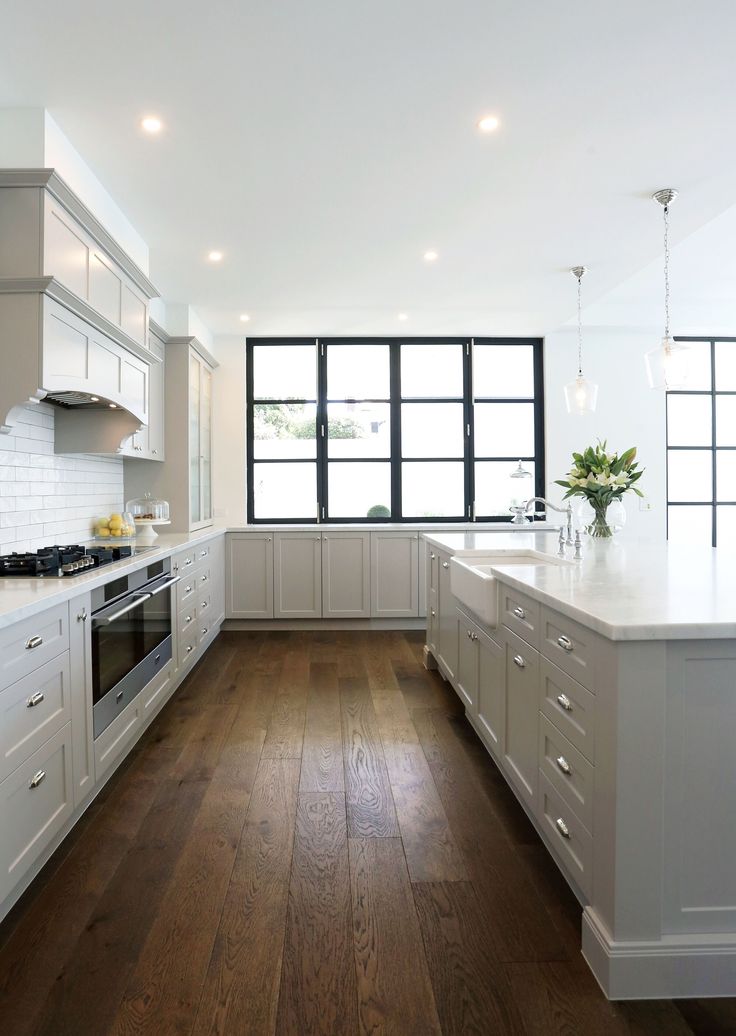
[[21, 597], [494, 527], [623, 589]]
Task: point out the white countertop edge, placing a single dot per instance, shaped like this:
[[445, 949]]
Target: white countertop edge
[[423, 527], [54, 590]]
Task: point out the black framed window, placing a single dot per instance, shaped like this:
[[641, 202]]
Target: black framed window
[[388, 429], [701, 446]]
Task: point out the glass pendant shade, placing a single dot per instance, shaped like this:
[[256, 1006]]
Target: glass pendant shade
[[667, 366], [581, 396]]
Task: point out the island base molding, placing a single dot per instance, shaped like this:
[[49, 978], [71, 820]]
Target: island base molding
[[669, 968]]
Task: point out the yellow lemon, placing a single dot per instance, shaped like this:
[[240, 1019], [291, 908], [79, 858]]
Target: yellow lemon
[[103, 532], [103, 523], [116, 523], [115, 532], [116, 517]]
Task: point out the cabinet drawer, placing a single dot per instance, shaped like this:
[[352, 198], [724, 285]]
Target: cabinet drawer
[[204, 605], [186, 588], [36, 800], [519, 613], [567, 770], [188, 646], [570, 646], [157, 692], [521, 717], [202, 554], [571, 843], [187, 617], [29, 644], [114, 741], [32, 710], [203, 578], [569, 706], [186, 563]]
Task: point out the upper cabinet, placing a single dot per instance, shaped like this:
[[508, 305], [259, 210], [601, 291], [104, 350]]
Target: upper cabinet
[[74, 309], [185, 480]]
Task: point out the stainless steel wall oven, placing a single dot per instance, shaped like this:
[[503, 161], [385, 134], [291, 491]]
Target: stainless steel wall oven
[[131, 637]]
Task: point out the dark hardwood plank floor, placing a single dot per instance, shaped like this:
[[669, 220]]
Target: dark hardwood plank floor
[[310, 839]]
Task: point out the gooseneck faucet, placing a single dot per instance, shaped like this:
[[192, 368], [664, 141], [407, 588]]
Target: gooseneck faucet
[[521, 511]]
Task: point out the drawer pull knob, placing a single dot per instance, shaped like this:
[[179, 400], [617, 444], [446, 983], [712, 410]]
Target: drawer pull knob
[[33, 642], [187, 618], [35, 699], [434, 613], [519, 613], [187, 589], [204, 579], [468, 634], [565, 643], [203, 553], [190, 647], [205, 605], [445, 564], [473, 636], [564, 702], [564, 765], [82, 616], [433, 556], [37, 779], [518, 660], [205, 631], [562, 827], [188, 561]]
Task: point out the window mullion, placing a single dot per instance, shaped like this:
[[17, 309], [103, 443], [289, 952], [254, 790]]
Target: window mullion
[[395, 394], [322, 432], [469, 430]]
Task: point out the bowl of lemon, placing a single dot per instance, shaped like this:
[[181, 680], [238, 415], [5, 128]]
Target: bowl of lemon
[[118, 527]]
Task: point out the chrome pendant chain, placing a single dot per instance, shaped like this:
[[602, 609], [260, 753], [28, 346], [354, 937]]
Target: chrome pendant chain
[[580, 326], [666, 272]]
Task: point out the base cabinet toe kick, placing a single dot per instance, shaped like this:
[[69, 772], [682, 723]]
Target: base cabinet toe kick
[[79, 684], [621, 753]]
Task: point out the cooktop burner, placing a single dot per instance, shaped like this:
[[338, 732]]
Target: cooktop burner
[[62, 561]]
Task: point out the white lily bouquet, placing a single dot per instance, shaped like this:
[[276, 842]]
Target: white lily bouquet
[[601, 478]]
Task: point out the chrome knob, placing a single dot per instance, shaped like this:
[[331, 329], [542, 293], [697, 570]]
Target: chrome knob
[[564, 702], [518, 660], [562, 827], [82, 616], [35, 699], [33, 642], [565, 643], [519, 613], [445, 564], [37, 778], [563, 765], [473, 636]]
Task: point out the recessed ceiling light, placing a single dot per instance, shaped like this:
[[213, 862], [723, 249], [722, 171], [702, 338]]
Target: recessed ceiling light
[[488, 124], [403, 316], [214, 256], [113, 406], [94, 399], [430, 256], [244, 317], [152, 124]]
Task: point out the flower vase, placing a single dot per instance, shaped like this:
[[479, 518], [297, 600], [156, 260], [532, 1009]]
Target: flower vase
[[599, 528], [601, 523]]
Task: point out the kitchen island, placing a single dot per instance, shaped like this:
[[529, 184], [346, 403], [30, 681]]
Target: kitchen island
[[606, 694]]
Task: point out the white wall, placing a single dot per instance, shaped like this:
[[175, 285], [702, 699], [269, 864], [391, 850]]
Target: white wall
[[45, 498], [228, 397], [628, 413]]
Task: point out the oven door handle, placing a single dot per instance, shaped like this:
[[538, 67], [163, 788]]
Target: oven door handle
[[105, 620], [164, 586]]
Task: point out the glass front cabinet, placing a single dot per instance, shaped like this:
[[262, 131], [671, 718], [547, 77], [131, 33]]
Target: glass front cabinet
[[200, 442]]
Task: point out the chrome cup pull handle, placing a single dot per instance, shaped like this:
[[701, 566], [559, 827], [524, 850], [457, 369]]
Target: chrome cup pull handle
[[565, 643], [35, 699], [519, 613], [37, 778], [564, 702], [563, 765], [562, 827], [445, 564], [33, 642], [518, 660]]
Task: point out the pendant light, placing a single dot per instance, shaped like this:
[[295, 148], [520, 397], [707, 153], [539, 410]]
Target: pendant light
[[581, 395], [667, 365]]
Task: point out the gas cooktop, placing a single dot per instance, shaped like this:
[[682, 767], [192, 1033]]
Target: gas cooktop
[[70, 560]]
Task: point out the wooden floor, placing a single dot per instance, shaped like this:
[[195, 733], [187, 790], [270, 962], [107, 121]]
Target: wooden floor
[[310, 839]]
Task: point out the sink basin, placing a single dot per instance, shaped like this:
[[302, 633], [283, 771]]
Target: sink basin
[[472, 581]]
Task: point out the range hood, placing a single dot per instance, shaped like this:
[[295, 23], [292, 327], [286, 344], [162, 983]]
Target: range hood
[[79, 401]]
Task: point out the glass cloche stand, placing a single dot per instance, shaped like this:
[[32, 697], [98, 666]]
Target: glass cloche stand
[[148, 513]]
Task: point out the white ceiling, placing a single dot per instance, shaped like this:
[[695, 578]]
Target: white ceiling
[[325, 145]]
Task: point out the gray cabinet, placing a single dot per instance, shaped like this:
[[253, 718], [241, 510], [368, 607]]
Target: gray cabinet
[[297, 575], [249, 575], [346, 587], [491, 700], [521, 721], [394, 574], [448, 627], [80, 656], [466, 679]]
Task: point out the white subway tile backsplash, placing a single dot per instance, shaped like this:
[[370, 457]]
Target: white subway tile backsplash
[[45, 498]]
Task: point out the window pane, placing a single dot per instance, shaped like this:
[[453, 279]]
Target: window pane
[[689, 475], [689, 420], [356, 488], [358, 372], [725, 420], [495, 490], [433, 490], [726, 474], [432, 370], [698, 366], [725, 366], [504, 429], [432, 430], [287, 430], [503, 370], [285, 372], [725, 525], [691, 525], [359, 429], [285, 490]]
